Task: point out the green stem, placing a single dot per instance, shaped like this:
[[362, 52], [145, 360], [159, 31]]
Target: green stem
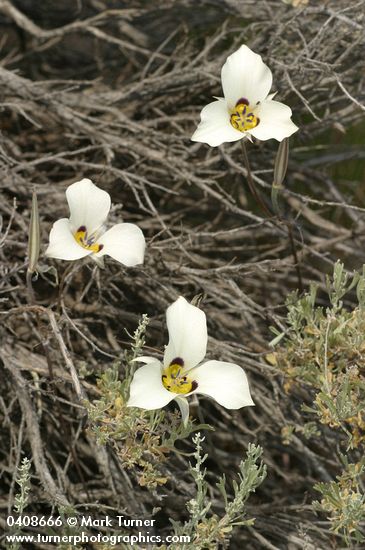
[[275, 191]]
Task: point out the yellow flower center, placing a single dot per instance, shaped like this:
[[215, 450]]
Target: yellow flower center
[[243, 117], [86, 241], [175, 380]]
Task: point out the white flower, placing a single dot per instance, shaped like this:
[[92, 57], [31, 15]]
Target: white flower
[[247, 109], [83, 234], [182, 373]]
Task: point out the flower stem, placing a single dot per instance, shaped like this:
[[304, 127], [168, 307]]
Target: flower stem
[[251, 183], [275, 199], [276, 209], [30, 291], [289, 226]]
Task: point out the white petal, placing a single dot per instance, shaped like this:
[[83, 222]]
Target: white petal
[[274, 122], [184, 408], [145, 359], [225, 382], [89, 205], [245, 75], [188, 337], [147, 391], [62, 244], [214, 127], [125, 243]]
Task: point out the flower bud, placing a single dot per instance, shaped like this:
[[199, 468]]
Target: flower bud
[[34, 236], [281, 162], [281, 165]]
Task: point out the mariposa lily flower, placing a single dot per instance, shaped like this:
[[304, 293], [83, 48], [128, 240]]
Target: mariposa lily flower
[[247, 109], [183, 373], [83, 234]]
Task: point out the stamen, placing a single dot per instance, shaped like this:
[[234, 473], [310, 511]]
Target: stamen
[[81, 236], [175, 380], [243, 117]]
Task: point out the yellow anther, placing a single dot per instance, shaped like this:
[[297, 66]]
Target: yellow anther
[[242, 117], [176, 381]]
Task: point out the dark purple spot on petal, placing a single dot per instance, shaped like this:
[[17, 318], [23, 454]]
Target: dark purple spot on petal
[[101, 246], [242, 100], [194, 385], [82, 228], [177, 361]]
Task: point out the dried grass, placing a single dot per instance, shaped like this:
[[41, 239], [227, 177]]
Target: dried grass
[[114, 93]]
